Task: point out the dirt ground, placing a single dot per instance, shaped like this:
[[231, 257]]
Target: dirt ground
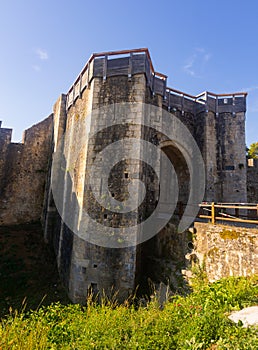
[[28, 271]]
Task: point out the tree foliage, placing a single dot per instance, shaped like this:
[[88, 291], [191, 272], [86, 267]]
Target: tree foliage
[[253, 150]]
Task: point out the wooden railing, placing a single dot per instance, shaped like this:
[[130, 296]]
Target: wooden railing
[[232, 212], [86, 74], [181, 93], [203, 96], [212, 94], [119, 53]]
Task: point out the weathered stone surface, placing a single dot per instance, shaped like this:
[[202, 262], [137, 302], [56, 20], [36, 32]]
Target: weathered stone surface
[[226, 250], [5, 140], [248, 316], [24, 172], [252, 180]]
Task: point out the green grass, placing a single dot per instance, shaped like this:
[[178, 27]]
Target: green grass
[[196, 321]]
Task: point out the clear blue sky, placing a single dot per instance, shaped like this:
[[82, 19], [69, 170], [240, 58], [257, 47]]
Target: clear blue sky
[[200, 45]]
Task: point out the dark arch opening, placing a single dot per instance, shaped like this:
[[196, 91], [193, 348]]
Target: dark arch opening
[[161, 258], [183, 177]]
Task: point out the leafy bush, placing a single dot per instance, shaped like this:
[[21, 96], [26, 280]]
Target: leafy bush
[[253, 150], [196, 321]]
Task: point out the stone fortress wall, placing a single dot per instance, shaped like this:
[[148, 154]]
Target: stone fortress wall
[[252, 180], [217, 123], [23, 169]]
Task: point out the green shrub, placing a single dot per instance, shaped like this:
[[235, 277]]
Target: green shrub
[[196, 321]]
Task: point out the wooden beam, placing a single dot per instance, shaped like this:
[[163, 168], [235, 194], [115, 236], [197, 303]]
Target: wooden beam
[[234, 207], [238, 220], [204, 217]]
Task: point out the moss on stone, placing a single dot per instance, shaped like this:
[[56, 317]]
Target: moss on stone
[[229, 234], [213, 251]]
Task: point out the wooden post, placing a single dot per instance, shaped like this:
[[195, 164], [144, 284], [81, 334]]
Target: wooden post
[[105, 67], [130, 67], [182, 103], [169, 107], [212, 213], [257, 208], [73, 92], [153, 84], [80, 88], [217, 106]]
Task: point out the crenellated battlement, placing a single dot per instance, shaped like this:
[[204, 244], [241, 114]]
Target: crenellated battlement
[[253, 163], [5, 134]]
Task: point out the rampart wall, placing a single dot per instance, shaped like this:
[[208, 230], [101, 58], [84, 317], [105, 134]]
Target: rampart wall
[[252, 180], [23, 170]]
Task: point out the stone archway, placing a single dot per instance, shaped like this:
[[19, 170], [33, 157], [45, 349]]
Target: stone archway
[[163, 257], [183, 176]]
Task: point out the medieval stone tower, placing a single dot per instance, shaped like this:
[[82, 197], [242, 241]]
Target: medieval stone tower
[[215, 122]]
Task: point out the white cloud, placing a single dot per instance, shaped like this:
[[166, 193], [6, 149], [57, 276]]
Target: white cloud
[[200, 49], [36, 68], [188, 67], [42, 54], [196, 62], [250, 89], [207, 57]]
